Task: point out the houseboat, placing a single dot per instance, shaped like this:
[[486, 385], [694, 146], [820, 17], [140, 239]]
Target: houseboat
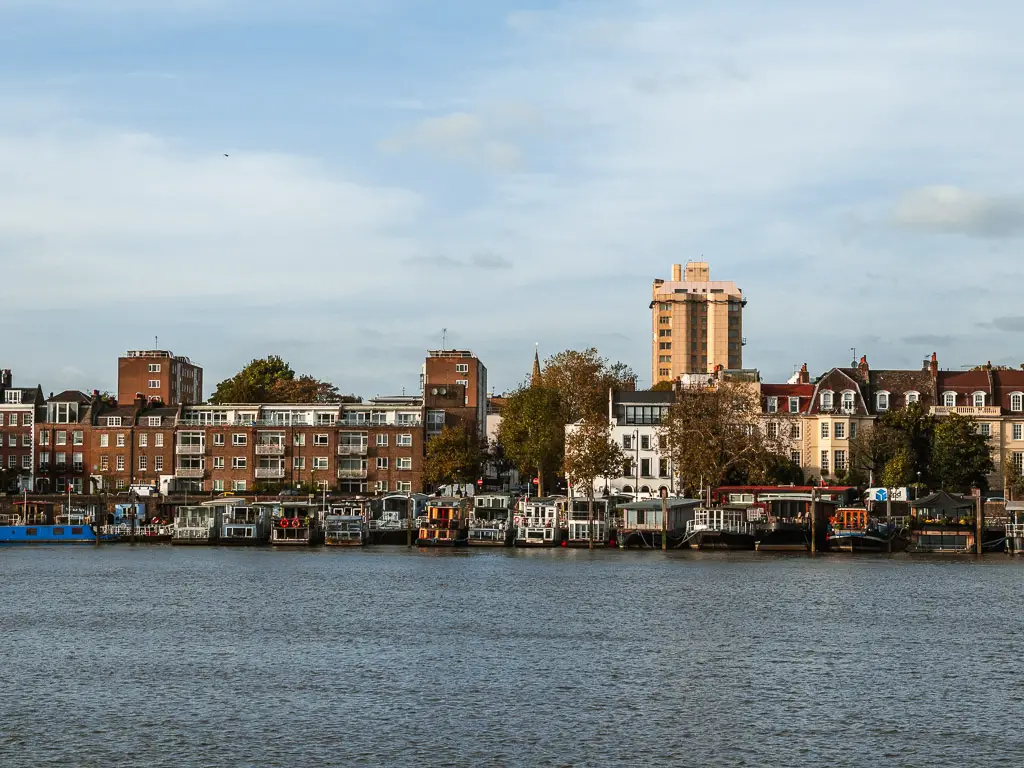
[[490, 520], [1014, 527], [852, 529], [198, 524], [538, 522], [397, 518], [942, 522], [723, 527], [128, 522], [294, 523], [639, 523], [35, 522], [447, 523], [242, 524], [344, 529], [578, 519], [782, 524]]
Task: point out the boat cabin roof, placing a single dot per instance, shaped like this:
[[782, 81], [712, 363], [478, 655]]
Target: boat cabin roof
[[224, 501], [677, 502], [34, 503], [344, 518]]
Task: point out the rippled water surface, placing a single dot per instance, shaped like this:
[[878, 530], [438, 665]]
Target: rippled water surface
[[165, 656]]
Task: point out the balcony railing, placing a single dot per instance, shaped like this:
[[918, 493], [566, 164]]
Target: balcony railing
[[964, 410], [189, 474], [351, 473], [351, 450], [270, 473], [190, 450], [270, 449]]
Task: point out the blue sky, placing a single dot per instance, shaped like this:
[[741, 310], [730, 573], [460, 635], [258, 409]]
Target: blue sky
[[515, 173]]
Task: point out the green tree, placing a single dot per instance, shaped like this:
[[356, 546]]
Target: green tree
[[872, 449], [272, 380], [899, 469], [1013, 481], [590, 454], [662, 386], [582, 380], [960, 455], [914, 428], [532, 432], [453, 456]]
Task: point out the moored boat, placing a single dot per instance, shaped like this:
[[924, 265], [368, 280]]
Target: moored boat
[[1015, 527], [537, 522], [396, 518], [198, 524], [446, 524], [851, 529], [128, 523], [639, 523], [724, 527], [345, 530], [490, 520], [242, 524], [35, 522], [294, 523], [581, 523]]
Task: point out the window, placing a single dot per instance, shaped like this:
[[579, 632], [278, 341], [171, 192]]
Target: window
[[26, 419], [794, 405], [143, 463], [1017, 402], [645, 442], [382, 485], [104, 463], [403, 486], [120, 462], [12, 396], [664, 320], [627, 442], [26, 461], [796, 430], [663, 372], [62, 438], [664, 358], [773, 405], [320, 439], [382, 462], [403, 462], [645, 467], [1018, 431], [663, 467], [840, 463], [839, 431], [113, 421], [881, 401], [218, 439], [239, 438], [153, 384], [44, 459], [158, 441], [218, 462], [143, 440], [407, 418], [772, 429], [663, 332], [824, 462], [848, 401], [979, 399], [299, 439], [912, 397], [218, 485], [824, 429], [238, 485], [154, 367], [949, 399], [404, 441], [77, 438], [121, 484], [158, 463], [26, 440], [44, 437], [238, 462], [463, 382], [462, 367], [320, 462], [13, 420], [298, 462], [120, 440], [1018, 460], [12, 460], [826, 400], [104, 441], [853, 430], [985, 429], [794, 456], [382, 441], [664, 345]]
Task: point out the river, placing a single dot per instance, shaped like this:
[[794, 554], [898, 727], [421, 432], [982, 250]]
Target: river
[[187, 657]]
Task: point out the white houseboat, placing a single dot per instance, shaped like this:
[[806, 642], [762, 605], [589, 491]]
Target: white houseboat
[[490, 521], [243, 524], [1015, 527], [295, 523], [538, 521], [639, 523], [199, 524], [391, 519], [346, 526], [723, 527]]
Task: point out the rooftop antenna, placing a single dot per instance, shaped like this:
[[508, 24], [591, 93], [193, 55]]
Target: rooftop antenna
[[854, 350], [156, 342], [444, 338]]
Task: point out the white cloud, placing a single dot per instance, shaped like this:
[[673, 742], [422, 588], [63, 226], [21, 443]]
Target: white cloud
[[458, 136], [953, 210]]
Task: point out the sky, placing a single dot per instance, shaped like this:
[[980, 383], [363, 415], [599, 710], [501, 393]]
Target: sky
[[337, 182]]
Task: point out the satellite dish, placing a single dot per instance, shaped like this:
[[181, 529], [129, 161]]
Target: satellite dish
[[444, 391], [433, 391]]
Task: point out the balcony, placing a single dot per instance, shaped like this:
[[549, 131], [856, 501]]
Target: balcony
[[189, 474], [270, 473], [270, 449], [344, 474], [190, 450], [352, 450], [964, 410]]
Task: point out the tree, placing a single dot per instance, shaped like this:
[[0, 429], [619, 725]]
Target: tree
[[899, 469], [453, 457], [914, 428], [590, 453], [1013, 481], [582, 380], [872, 449], [662, 386], [272, 380], [532, 432], [960, 455], [710, 434]]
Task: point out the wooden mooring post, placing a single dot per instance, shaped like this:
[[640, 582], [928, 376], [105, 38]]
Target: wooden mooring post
[[814, 520], [888, 521], [408, 521], [664, 519], [979, 524]]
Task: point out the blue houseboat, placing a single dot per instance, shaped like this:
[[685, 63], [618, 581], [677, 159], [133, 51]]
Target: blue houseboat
[[35, 522]]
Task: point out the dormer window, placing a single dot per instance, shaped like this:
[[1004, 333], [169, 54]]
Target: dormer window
[[882, 401], [979, 399], [794, 405], [913, 397], [113, 421], [826, 400], [773, 405], [1017, 401], [12, 396], [848, 401], [949, 399]]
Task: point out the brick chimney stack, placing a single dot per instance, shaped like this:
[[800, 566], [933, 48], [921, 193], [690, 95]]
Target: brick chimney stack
[[6, 379], [805, 377], [933, 366]]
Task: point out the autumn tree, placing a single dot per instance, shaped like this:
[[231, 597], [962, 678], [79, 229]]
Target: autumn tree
[[899, 469], [912, 427], [453, 457], [272, 380], [582, 380], [532, 432], [1013, 481], [872, 449], [961, 459], [590, 454]]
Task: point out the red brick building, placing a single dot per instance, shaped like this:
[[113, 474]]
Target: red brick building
[[444, 368], [157, 374]]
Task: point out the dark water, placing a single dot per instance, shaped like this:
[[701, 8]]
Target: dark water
[[161, 656]]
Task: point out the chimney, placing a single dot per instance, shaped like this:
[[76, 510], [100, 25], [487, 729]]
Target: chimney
[[6, 378], [862, 367], [805, 377], [677, 272], [933, 366], [140, 400]]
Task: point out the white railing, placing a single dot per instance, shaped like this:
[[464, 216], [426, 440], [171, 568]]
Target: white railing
[[191, 533], [351, 450], [189, 474], [964, 410], [728, 526], [269, 449], [274, 473], [1015, 530], [125, 529], [190, 450], [357, 473]]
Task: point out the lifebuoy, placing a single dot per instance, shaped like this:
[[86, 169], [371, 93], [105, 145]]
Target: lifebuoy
[[295, 522], [283, 522]]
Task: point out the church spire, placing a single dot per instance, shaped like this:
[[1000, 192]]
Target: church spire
[[535, 376]]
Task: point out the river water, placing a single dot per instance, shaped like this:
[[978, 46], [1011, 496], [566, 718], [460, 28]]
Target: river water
[[168, 656]]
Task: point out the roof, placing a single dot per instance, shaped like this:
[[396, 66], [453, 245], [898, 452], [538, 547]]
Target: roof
[[675, 502], [787, 390], [643, 397], [945, 502], [69, 396]]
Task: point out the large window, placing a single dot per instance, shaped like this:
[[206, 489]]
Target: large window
[[949, 399], [882, 401], [979, 399], [826, 400], [644, 414], [1017, 402], [773, 405]]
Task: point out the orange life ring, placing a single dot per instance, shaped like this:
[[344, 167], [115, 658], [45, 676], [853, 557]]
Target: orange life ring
[[295, 522], [283, 522]]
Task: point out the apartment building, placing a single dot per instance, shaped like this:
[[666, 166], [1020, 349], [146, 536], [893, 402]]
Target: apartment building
[[696, 323], [444, 368], [158, 374], [20, 409]]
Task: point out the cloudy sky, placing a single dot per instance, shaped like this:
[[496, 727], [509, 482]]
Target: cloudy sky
[[515, 172]]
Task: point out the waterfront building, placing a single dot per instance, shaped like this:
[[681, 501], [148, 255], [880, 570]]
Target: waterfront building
[[20, 409], [696, 323], [158, 375], [459, 367]]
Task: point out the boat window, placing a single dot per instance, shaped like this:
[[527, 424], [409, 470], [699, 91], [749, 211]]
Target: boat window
[[58, 531], [30, 532], [76, 530]]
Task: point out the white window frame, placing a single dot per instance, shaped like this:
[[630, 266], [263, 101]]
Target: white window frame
[[404, 441], [839, 430], [912, 397], [238, 485], [143, 463], [154, 421], [796, 430], [824, 430], [382, 441], [382, 462], [321, 438], [794, 405], [218, 462], [153, 383], [949, 399], [772, 405], [218, 438], [1017, 432], [158, 440], [120, 441], [113, 421], [104, 440], [119, 463], [848, 401], [1017, 402], [239, 462], [320, 463], [239, 438], [298, 462], [218, 485], [985, 429], [403, 463], [154, 367], [462, 367], [826, 399], [978, 399], [143, 440], [882, 400]]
